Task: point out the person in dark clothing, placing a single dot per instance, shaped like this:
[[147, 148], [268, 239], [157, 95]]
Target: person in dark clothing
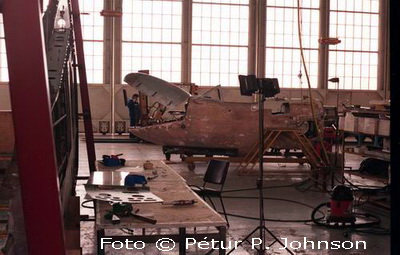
[[134, 111]]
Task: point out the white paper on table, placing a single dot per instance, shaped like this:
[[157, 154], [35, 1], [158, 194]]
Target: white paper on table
[[121, 195]]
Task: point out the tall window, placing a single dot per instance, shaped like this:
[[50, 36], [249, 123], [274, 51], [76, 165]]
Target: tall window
[[220, 41], [3, 55], [92, 30], [151, 38], [283, 59], [355, 59]]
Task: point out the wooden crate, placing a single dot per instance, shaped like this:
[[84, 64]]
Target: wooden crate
[[384, 127], [370, 126], [351, 123]]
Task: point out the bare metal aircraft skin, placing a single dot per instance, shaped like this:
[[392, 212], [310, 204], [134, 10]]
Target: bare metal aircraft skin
[[210, 123]]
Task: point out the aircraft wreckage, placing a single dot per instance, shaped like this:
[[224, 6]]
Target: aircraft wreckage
[[211, 123]]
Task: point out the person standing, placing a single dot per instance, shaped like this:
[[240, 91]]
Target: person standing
[[134, 111]]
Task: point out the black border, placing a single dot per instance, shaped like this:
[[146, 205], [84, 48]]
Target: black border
[[395, 127]]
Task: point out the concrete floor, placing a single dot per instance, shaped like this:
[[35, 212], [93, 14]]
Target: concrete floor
[[239, 227]]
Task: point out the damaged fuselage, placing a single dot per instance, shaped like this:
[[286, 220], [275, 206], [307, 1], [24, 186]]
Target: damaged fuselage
[[210, 123]]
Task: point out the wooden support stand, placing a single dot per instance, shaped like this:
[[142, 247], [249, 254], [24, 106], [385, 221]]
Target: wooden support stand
[[247, 164]]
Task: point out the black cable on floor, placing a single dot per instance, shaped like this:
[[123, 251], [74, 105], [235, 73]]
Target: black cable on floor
[[276, 187], [271, 198], [375, 220], [269, 219], [373, 231], [268, 187], [85, 202]]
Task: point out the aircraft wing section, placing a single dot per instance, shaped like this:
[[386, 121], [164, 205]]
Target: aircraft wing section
[[162, 91]]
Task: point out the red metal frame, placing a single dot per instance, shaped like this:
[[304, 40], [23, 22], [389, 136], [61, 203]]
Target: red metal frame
[[87, 118], [33, 127]]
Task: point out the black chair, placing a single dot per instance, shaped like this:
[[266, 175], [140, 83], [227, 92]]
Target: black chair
[[215, 174]]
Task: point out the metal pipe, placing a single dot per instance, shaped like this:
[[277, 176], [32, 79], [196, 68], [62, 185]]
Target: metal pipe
[[87, 117], [323, 49], [112, 78], [261, 168]]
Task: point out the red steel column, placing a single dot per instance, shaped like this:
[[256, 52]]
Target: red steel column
[[87, 117], [33, 127]]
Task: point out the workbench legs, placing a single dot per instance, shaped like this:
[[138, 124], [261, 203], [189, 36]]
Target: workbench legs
[[222, 238], [100, 234], [182, 241]]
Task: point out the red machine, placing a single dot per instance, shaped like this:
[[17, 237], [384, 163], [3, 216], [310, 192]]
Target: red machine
[[329, 136], [341, 205], [340, 213]]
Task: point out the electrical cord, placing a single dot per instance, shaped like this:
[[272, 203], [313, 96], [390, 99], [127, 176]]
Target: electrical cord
[[309, 83], [359, 203], [268, 187], [295, 185], [375, 219], [372, 230], [83, 204], [315, 182], [270, 219], [322, 183], [127, 231]]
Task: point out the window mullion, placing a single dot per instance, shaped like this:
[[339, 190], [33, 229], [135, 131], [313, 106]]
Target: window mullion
[[118, 44], [261, 32], [252, 52], [186, 60], [107, 44], [323, 50]]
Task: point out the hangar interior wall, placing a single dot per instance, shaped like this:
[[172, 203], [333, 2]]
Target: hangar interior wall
[[100, 99]]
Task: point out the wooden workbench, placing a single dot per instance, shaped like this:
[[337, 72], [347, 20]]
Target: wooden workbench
[[169, 186]]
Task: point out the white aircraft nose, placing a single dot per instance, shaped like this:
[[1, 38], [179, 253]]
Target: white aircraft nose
[[131, 78], [162, 91]]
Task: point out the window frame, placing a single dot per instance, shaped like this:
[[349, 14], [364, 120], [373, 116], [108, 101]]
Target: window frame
[[256, 47]]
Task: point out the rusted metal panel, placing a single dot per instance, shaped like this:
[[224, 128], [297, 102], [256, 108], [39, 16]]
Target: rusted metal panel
[[210, 123], [216, 124]]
